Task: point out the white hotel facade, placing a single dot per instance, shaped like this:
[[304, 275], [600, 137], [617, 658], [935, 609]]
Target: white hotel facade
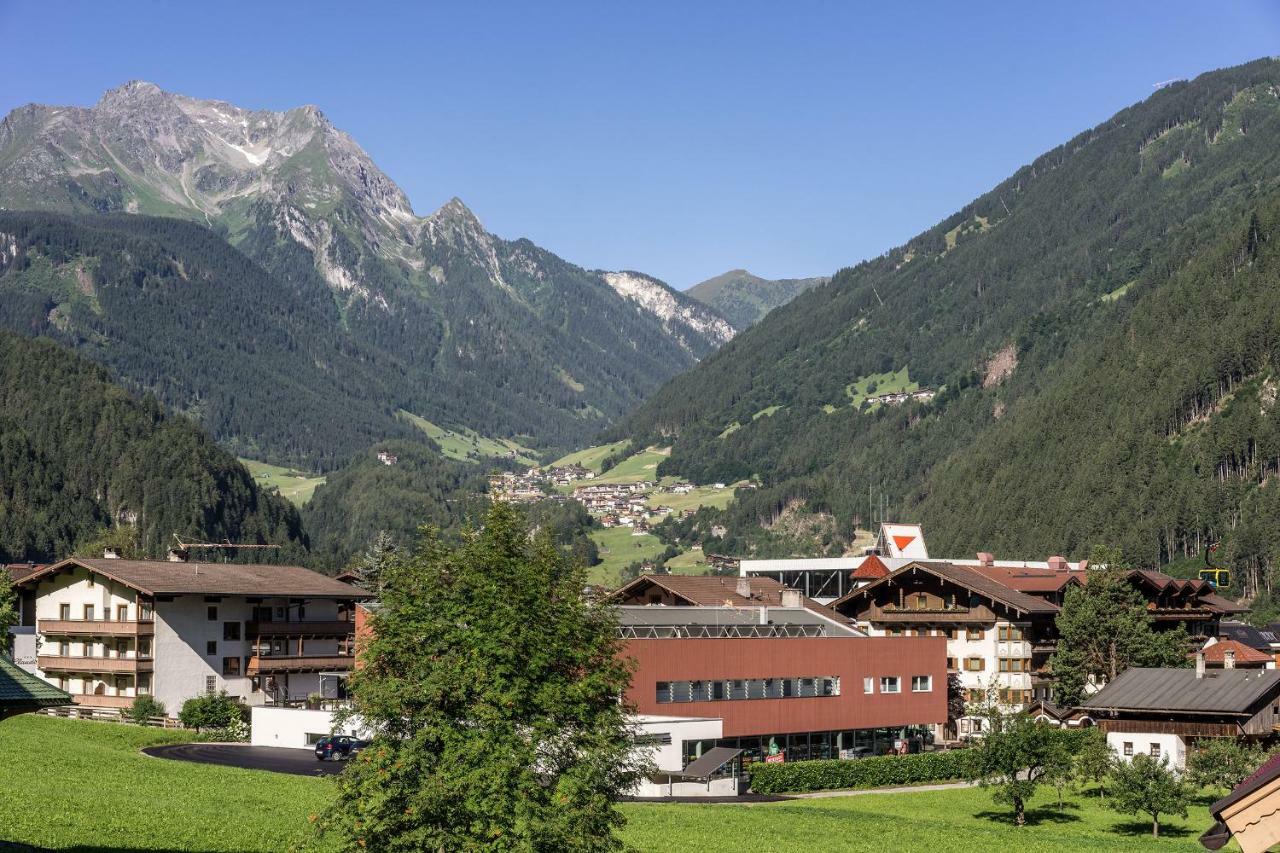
[[108, 630]]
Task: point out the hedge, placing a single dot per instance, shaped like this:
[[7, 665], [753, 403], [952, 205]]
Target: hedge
[[875, 772]]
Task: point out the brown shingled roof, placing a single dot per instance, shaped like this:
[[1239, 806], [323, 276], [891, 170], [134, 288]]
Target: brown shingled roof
[[719, 590], [156, 577], [1031, 580], [967, 577]]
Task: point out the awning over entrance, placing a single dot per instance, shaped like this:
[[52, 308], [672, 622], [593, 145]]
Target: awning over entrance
[[706, 766]]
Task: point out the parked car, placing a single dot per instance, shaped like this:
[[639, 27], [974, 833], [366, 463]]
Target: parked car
[[338, 747]]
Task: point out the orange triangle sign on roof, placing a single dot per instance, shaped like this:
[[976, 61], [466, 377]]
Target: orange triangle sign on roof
[[903, 541]]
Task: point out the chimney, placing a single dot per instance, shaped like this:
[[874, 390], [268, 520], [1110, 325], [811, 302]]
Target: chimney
[[1228, 658], [744, 587], [791, 598], [1200, 664], [764, 616], [1058, 564], [986, 558], [110, 554]]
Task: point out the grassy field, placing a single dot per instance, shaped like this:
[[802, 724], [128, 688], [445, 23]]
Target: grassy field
[[71, 785], [591, 457], [466, 445], [700, 496], [636, 467], [953, 821], [295, 486], [74, 785], [619, 549], [886, 383]]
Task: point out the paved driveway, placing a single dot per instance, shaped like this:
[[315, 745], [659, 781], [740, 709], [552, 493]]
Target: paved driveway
[[300, 762]]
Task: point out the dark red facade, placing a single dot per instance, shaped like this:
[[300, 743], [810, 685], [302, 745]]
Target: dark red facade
[[851, 659]]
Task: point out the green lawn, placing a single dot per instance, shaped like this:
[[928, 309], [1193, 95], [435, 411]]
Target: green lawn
[[953, 821], [295, 486], [636, 467], [591, 457], [619, 549], [468, 445], [72, 785]]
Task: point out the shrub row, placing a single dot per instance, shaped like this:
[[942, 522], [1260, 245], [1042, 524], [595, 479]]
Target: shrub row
[[875, 772]]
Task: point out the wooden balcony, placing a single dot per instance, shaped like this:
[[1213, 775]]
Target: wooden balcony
[[928, 616], [280, 664], [335, 628], [69, 663], [90, 700], [96, 627]]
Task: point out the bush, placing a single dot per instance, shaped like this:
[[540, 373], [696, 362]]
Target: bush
[[143, 708], [875, 772], [215, 711]]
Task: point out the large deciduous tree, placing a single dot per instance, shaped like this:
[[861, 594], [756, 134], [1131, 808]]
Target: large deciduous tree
[[1223, 762], [1146, 786], [493, 693], [1104, 628], [1015, 755]]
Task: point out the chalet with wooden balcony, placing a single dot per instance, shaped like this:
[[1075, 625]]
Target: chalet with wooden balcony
[[108, 630]]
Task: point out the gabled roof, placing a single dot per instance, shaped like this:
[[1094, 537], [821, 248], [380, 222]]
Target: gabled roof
[[719, 591], [1254, 638], [1217, 653], [964, 576], [1203, 591], [1266, 772], [872, 568], [20, 691], [20, 571], [1220, 691], [158, 577], [1032, 580]]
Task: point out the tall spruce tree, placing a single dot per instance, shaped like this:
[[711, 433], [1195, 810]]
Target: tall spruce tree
[[1104, 628], [492, 690]]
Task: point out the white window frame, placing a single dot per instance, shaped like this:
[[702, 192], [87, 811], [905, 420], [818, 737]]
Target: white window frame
[[926, 679], [885, 682]]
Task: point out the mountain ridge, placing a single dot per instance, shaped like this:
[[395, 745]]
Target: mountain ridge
[[463, 311], [744, 298]]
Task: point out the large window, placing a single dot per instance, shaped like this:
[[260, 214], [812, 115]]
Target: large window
[[747, 688], [974, 664], [1009, 633], [921, 683], [230, 630], [231, 666], [889, 684]]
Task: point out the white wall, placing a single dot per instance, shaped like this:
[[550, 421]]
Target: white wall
[[289, 727], [670, 757], [183, 629], [1171, 746]]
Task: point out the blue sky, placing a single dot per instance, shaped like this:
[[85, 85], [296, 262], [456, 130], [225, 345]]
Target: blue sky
[[679, 139]]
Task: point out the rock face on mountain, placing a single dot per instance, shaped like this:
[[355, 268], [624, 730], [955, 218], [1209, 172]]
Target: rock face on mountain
[[744, 298], [507, 338]]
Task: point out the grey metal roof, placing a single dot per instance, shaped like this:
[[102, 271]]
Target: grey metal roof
[[1252, 637], [1225, 691], [657, 615]]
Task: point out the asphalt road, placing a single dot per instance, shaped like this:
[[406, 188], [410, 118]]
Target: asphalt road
[[299, 762]]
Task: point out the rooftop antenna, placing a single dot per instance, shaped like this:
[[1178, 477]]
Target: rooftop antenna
[[224, 545]]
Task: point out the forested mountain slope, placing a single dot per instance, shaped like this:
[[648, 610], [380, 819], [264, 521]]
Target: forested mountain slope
[[744, 298], [500, 336], [79, 454], [176, 312], [1097, 327]]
